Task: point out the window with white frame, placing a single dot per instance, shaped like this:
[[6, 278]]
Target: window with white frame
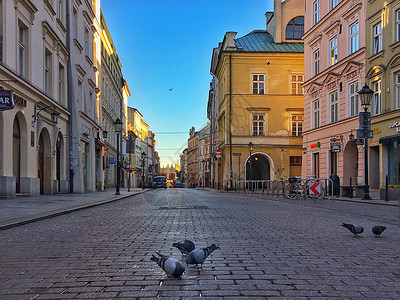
[[258, 124], [87, 42], [75, 23], [258, 84], [60, 10], [316, 63], [353, 99], [377, 38], [47, 72], [333, 107], [317, 13], [397, 76], [22, 50], [377, 99], [398, 25], [354, 38], [61, 83], [297, 125], [333, 3], [315, 114], [297, 81], [333, 50]]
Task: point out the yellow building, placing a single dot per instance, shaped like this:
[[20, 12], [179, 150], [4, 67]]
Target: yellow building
[[382, 69], [259, 99]]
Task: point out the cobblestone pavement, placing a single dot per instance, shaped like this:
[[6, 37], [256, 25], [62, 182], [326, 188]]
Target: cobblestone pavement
[[269, 249]]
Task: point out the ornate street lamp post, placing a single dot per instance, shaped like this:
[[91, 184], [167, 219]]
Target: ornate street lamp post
[[143, 158], [119, 123], [250, 145], [365, 126]]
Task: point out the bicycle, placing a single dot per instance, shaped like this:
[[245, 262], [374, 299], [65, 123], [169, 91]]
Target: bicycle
[[294, 188]]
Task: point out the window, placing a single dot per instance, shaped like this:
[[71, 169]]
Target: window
[[60, 10], [258, 84], [75, 23], [398, 25], [377, 38], [316, 11], [377, 99], [60, 83], [353, 99], [47, 72], [316, 62], [22, 50], [295, 28], [354, 38], [333, 106], [297, 81], [86, 42], [397, 104], [297, 125], [333, 50], [316, 113], [295, 160], [258, 124], [333, 3]]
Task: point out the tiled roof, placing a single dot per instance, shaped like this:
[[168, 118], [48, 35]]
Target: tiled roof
[[263, 41]]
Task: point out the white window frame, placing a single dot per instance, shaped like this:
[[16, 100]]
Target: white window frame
[[377, 30], [22, 50], [61, 83], [354, 37], [397, 87], [354, 103], [377, 97], [333, 107], [398, 25], [48, 71], [316, 113], [317, 11], [316, 62], [333, 3], [258, 124], [333, 51], [87, 49], [296, 85], [258, 84], [297, 124]]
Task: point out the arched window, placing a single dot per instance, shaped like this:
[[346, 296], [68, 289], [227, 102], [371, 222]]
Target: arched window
[[295, 28]]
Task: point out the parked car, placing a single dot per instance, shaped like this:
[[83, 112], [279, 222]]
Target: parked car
[[160, 182], [177, 184]]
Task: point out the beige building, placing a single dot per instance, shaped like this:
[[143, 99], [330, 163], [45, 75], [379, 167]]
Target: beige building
[[258, 98], [383, 77], [193, 158], [334, 51], [33, 66]]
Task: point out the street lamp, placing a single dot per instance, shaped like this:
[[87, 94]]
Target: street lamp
[[119, 123], [250, 145], [365, 119], [204, 171], [143, 157]]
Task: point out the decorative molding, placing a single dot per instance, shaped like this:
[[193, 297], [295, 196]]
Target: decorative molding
[[258, 109], [332, 26], [78, 45], [91, 83], [61, 25], [87, 18], [89, 60], [316, 38], [49, 8], [355, 6], [48, 31], [80, 70], [29, 6]]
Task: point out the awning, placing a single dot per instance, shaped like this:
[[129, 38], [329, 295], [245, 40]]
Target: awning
[[388, 139], [98, 142]]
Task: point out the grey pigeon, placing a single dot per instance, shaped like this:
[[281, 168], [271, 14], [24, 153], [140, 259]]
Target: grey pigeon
[[184, 246], [171, 266], [377, 230], [356, 229], [198, 256]]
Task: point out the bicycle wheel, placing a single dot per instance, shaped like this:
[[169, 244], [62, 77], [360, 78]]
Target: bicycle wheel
[[291, 190]]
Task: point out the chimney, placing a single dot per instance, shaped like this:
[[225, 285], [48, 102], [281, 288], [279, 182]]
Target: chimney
[[230, 41]]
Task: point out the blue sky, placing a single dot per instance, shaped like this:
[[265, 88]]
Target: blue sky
[[166, 44]]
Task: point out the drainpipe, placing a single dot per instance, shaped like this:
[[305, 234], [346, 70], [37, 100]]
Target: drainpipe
[[70, 97], [230, 120]]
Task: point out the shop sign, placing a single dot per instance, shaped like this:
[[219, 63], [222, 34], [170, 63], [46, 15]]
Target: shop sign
[[112, 161], [6, 100], [395, 125], [335, 146], [316, 145]]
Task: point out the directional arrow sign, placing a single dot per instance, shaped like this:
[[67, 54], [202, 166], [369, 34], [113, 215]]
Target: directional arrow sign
[[315, 189]]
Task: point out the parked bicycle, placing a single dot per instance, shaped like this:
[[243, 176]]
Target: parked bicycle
[[297, 187]]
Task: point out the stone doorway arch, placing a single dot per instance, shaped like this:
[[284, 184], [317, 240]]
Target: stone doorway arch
[[259, 167], [350, 164], [44, 162]]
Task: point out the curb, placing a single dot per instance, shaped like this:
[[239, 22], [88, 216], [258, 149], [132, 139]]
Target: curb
[[12, 224]]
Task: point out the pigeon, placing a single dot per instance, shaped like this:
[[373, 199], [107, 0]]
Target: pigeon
[[377, 230], [184, 246], [171, 266], [198, 256], [356, 229]]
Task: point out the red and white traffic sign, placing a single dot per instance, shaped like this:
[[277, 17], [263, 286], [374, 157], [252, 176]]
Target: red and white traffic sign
[[315, 189], [218, 154]]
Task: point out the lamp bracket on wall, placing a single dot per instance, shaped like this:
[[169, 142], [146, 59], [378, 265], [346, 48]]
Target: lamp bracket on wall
[[54, 114]]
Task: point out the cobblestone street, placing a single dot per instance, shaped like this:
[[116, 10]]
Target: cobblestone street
[[268, 249]]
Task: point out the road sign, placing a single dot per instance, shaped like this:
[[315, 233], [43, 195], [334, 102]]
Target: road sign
[[112, 161], [335, 146], [218, 154], [365, 120], [365, 134], [315, 189]]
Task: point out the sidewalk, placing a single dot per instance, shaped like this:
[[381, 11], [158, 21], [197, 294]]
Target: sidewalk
[[23, 210]]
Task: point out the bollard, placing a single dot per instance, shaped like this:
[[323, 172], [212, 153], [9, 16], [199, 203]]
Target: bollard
[[387, 189], [351, 189]]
